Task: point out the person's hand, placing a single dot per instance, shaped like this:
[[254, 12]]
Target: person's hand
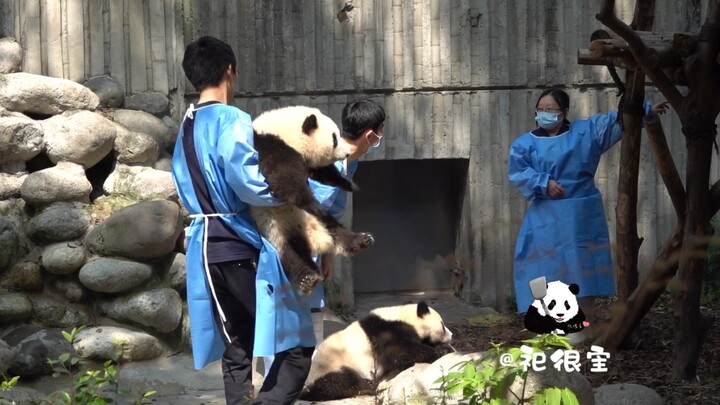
[[660, 108], [326, 265], [554, 189]]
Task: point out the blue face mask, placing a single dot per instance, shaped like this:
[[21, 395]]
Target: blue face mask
[[547, 120]]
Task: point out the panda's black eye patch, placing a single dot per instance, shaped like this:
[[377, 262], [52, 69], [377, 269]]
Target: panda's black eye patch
[[335, 140], [552, 304], [567, 305]]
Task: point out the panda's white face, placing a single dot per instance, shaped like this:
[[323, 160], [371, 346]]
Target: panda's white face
[[327, 144], [561, 301], [308, 131]]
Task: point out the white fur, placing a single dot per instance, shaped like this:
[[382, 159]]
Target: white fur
[[317, 147], [560, 293], [351, 348]]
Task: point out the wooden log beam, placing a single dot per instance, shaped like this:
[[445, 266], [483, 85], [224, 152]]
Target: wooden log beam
[[641, 53], [626, 316], [662, 54], [665, 164], [685, 43]]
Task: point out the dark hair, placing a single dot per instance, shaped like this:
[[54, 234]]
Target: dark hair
[[360, 115], [206, 60], [560, 97]]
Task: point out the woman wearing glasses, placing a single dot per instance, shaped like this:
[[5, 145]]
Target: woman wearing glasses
[[564, 235]]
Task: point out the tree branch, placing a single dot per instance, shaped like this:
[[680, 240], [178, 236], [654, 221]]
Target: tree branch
[[665, 164], [641, 53]]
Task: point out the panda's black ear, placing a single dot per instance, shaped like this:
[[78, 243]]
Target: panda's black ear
[[422, 309], [574, 288], [310, 124]]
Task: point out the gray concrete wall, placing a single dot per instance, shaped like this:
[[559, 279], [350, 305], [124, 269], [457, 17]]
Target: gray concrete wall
[[458, 79]]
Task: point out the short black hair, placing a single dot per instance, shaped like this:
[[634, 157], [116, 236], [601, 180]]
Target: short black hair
[[205, 61], [360, 115], [559, 95]]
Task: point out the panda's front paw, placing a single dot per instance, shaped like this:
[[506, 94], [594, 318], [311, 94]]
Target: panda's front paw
[[308, 282]]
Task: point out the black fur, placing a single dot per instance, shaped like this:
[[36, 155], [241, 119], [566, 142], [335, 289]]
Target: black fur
[[346, 383], [286, 172], [396, 347], [331, 176], [537, 323]]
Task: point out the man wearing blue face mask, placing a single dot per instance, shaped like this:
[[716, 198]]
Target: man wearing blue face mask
[[363, 122], [564, 235]]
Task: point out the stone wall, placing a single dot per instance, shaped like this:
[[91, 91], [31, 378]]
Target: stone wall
[[91, 229]]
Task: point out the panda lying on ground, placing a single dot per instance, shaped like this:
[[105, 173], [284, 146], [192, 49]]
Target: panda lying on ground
[[353, 361], [294, 143], [565, 315]]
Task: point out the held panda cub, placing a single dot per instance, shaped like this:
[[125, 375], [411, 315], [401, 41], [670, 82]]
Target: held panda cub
[[294, 143], [565, 315], [353, 361]]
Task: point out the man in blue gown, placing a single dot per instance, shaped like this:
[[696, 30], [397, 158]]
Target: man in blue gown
[[240, 303]]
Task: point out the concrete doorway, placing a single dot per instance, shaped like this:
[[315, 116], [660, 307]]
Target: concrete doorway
[[413, 208]]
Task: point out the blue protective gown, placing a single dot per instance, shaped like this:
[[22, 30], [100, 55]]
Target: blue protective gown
[[334, 200], [223, 139], [563, 239]]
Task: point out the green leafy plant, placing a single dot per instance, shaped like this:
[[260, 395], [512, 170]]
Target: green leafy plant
[[5, 386], [91, 387], [487, 381]]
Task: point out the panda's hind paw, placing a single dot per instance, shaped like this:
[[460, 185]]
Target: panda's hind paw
[[366, 240], [308, 282], [357, 243]]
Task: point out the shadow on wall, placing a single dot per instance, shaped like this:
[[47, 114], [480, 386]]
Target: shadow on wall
[[413, 209]]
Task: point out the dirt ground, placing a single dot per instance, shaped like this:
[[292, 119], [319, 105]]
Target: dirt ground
[[649, 364]]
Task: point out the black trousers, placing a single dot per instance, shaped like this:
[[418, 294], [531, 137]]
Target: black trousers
[[234, 284]]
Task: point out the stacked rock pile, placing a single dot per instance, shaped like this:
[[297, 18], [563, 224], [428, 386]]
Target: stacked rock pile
[[90, 224]]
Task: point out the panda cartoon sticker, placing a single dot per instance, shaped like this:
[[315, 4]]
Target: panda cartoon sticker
[[557, 312]]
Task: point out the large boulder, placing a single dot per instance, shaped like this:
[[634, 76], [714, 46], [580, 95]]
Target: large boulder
[[63, 258], [21, 138], [153, 102], [10, 184], [108, 89], [55, 312], [82, 137], [140, 121], [135, 147], [627, 394], [145, 230], [141, 183], [31, 93], [418, 384], [59, 222], [65, 181], [23, 276], [70, 288], [34, 345], [9, 242], [11, 55], [14, 307], [159, 310], [7, 354], [110, 275], [102, 342]]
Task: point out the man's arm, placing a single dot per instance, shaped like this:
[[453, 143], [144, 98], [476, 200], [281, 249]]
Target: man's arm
[[239, 159]]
